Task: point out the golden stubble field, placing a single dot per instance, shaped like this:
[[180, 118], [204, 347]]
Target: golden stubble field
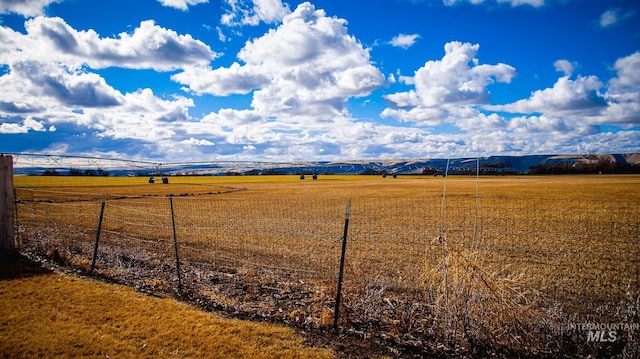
[[494, 261], [603, 187]]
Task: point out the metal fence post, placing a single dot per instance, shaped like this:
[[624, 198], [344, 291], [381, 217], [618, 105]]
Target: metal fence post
[[175, 243], [95, 246], [341, 273]]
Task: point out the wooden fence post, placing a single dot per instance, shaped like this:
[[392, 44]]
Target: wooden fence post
[[7, 204]]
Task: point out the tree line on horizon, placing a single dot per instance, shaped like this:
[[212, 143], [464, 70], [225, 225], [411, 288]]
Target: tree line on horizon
[[76, 172], [601, 166]]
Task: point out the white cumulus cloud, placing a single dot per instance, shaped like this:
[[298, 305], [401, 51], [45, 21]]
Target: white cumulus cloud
[[628, 71], [181, 4], [56, 94], [564, 66], [196, 142], [404, 41], [308, 67], [222, 81], [458, 79], [576, 97], [28, 124], [149, 46], [253, 12], [25, 7], [623, 92]]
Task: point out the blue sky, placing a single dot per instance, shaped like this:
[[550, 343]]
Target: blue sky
[[269, 80]]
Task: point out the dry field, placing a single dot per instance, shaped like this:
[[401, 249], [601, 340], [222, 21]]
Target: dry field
[[44, 314], [474, 265]]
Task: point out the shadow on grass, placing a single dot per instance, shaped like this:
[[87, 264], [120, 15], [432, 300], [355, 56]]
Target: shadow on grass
[[14, 265]]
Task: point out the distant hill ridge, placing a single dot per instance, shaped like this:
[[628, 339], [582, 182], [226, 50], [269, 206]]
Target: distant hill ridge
[[530, 164], [626, 162]]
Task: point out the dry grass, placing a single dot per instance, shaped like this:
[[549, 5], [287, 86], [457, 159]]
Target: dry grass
[[49, 315], [538, 253], [565, 187], [64, 189]]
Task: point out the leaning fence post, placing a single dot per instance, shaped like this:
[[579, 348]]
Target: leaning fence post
[[341, 272], [175, 243], [95, 246]]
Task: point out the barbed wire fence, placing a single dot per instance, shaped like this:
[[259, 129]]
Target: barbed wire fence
[[454, 271]]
